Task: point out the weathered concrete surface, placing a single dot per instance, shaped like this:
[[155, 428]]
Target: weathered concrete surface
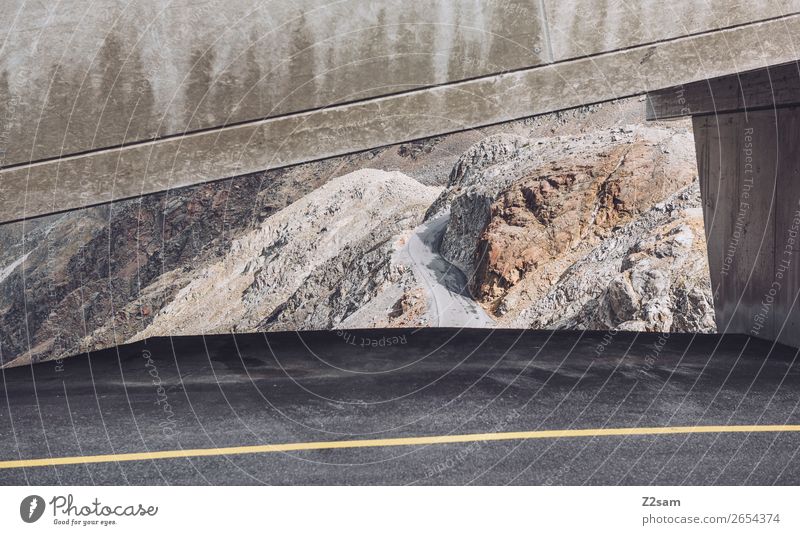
[[750, 180], [219, 96], [764, 88], [586, 27], [747, 130], [76, 76]]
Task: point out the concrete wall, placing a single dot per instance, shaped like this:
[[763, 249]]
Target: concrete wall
[[749, 170], [97, 96], [86, 75], [587, 27]]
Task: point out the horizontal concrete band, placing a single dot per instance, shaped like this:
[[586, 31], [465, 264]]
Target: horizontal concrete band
[[148, 167], [748, 91], [79, 76]]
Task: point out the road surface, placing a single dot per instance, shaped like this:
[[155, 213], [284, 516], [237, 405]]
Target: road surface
[[450, 303], [429, 406]]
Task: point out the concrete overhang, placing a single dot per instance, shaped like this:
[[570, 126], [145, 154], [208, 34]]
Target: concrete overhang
[[766, 88], [110, 103]]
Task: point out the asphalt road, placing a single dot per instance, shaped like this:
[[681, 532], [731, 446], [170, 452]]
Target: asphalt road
[[450, 304], [221, 391]]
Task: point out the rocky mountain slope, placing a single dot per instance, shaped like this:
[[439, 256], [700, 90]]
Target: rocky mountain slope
[[308, 266], [528, 215], [580, 219], [651, 275], [95, 277]]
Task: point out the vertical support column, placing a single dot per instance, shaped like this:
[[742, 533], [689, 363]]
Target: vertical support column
[[749, 168], [787, 228]]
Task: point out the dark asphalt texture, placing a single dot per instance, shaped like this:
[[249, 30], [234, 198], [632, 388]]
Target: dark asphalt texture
[[317, 386]]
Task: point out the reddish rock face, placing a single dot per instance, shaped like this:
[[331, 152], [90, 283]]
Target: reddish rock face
[[567, 206]]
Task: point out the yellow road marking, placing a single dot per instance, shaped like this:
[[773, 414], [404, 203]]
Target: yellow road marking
[[389, 442]]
